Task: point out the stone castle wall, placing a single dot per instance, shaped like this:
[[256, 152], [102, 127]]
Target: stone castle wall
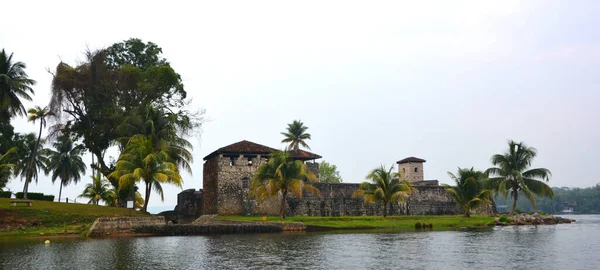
[[227, 183]]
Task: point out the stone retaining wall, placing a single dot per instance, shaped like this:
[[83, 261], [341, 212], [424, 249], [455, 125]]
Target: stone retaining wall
[[106, 226], [195, 229]]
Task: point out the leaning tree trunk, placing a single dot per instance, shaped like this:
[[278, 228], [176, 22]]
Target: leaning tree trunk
[[148, 188], [282, 206], [467, 211], [514, 205], [60, 190], [31, 164]]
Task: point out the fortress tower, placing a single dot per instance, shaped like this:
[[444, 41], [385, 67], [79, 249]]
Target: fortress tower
[[411, 168]]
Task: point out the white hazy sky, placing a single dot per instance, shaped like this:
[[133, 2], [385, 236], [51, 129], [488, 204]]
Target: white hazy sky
[[375, 81]]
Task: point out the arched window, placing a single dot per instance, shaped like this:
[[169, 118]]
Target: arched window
[[245, 182], [416, 169]]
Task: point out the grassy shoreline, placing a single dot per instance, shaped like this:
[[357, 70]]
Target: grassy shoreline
[[402, 223], [51, 219]]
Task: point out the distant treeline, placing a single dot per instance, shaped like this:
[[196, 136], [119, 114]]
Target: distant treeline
[[581, 200]]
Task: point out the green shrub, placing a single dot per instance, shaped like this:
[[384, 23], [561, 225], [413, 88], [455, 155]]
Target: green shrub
[[49, 198], [418, 225], [5, 194], [518, 210], [31, 196], [503, 218]]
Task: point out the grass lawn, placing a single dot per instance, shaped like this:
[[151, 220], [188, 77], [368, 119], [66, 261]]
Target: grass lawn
[[51, 218], [378, 222]]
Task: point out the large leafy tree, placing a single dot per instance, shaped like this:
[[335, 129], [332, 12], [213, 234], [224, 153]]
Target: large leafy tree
[[296, 135], [94, 98], [98, 190], [384, 186], [14, 86], [143, 161], [65, 162], [328, 173], [35, 114], [281, 176], [468, 191], [513, 174]]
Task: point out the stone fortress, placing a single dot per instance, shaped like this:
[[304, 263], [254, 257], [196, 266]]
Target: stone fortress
[[228, 172]]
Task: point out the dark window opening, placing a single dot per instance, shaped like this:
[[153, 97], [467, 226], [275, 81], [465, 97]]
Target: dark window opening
[[231, 161], [245, 182], [403, 170], [416, 169], [249, 161]]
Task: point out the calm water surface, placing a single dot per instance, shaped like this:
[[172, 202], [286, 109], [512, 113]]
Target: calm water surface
[[565, 246]]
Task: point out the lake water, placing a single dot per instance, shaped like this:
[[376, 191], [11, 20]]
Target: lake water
[[564, 246]]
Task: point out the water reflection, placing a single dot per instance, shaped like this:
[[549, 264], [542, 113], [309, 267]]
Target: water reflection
[[565, 246]]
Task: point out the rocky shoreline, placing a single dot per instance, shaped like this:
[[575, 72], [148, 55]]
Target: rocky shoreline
[[533, 219]]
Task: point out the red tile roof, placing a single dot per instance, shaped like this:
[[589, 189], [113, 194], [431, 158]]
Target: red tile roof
[[247, 147], [410, 160]]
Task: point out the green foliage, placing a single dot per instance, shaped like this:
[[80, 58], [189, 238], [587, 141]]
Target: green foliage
[[145, 161], [328, 173], [582, 200], [513, 175], [468, 191], [385, 186], [6, 167], [27, 155], [280, 176], [503, 218], [5, 194], [418, 225], [97, 96], [296, 135], [14, 86], [99, 190], [65, 162], [35, 196]]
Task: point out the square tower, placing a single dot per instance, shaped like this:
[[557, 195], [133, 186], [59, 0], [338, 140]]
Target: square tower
[[411, 168]]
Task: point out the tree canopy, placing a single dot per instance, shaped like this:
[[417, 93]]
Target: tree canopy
[[328, 173]]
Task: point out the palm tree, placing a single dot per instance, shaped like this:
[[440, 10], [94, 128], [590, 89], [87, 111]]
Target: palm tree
[[26, 156], [6, 167], [512, 174], [65, 162], [35, 114], [280, 176], [468, 191], [14, 86], [98, 190], [144, 161], [385, 186], [296, 135], [162, 128]]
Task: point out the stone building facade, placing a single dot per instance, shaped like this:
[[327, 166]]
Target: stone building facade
[[228, 172], [411, 168]]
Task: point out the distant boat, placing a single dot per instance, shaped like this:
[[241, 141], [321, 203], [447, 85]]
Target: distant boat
[[567, 210]]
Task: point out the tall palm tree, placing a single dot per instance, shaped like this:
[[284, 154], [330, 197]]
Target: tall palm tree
[[385, 186], [144, 161], [281, 176], [14, 86], [296, 135], [26, 156], [468, 191], [513, 174], [65, 162], [99, 189], [35, 114]]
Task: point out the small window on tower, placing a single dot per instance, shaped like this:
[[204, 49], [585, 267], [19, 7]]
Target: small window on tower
[[249, 161], [416, 169], [231, 161], [245, 182], [403, 170]]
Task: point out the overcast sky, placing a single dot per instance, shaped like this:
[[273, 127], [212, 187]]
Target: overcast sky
[[447, 81]]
